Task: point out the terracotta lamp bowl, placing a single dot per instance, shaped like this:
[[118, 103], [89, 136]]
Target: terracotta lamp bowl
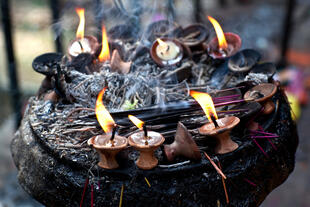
[[221, 133], [147, 159], [183, 145], [92, 44], [262, 93], [106, 151], [170, 62], [194, 35], [234, 44]]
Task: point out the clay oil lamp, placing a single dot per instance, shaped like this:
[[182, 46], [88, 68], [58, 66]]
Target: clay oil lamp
[[166, 52], [183, 145], [225, 44], [242, 62], [82, 44], [146, 142], [162, 28], [194, 36], [118, 65], [268, 69], [124, 32], [107, 145], [217, 128], [262, 93]]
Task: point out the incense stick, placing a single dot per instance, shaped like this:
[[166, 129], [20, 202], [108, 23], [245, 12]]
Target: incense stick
[[215, 166], [147, 182], [224, 185], [262, 132], [250, 182], [121, 197], [84, 190], [261, 149], [92, 195], [264, 137]]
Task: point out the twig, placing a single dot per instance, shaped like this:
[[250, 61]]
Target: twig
[[78, 109], [79, 130]]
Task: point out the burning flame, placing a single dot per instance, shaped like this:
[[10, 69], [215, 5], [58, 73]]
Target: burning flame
[[105, 51], [103, 116], [219, 33], [206, 103], [136, 121], [161, 43], [81, 27]]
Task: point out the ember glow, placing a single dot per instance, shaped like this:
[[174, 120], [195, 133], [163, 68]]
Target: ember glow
[[206, 103], [136, 121], [105, 51], [81, 27], [103, 116], [219, 33]]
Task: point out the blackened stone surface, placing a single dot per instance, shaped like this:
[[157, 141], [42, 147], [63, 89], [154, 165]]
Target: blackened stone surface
[[55, 182]]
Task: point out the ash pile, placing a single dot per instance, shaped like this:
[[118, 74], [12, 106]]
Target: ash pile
[[57, 166]]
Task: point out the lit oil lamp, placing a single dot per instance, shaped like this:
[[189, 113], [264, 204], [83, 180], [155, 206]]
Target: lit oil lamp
[[225, 44], [82, 44], [107, 145], [146, 142], [166, 52], [262, 93], [218, 128]]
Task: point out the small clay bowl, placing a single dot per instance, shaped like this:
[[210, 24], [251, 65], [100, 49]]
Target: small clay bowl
[[193, 35], [234, 44], [91, 40], [243, 61], [44, 63], [162, 28], [268, 69], [262, 94], [224, 144], [106, 150], [147, 159], [162, 62]]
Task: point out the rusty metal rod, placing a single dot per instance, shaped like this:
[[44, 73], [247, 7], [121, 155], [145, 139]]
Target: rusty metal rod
[[12, 68], [54, 4]]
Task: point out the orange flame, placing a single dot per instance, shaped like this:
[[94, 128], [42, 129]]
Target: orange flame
[[81, 27], [219, 33], [136, 121], [105, 51], [206, 103], [103, 116], [162, 43]]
